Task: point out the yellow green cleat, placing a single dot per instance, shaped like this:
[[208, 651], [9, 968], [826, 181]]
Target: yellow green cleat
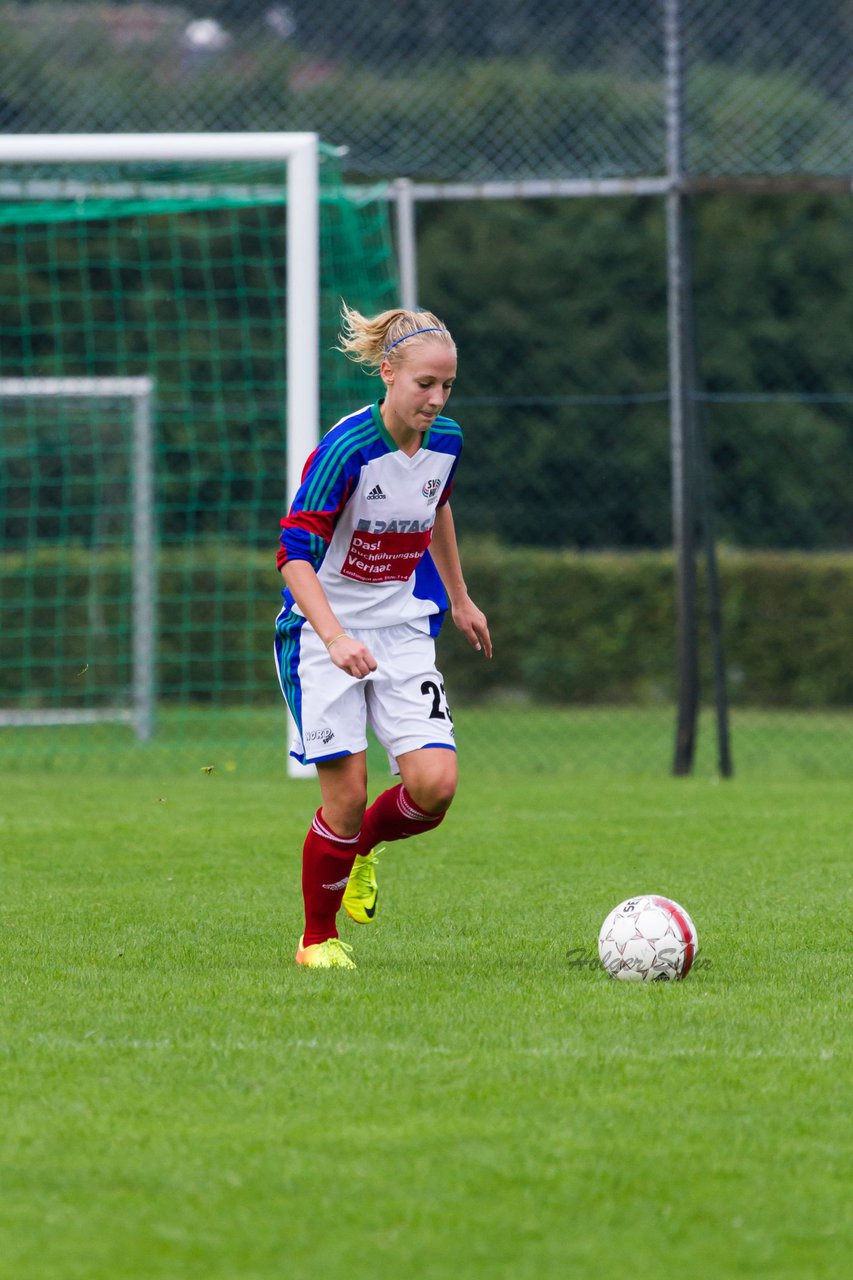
[[331, 954], [362, 890]]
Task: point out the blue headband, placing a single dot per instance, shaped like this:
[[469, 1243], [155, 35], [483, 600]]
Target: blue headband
[[432, 329]]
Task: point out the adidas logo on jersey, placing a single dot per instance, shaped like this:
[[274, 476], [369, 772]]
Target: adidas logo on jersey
[[375, 492]]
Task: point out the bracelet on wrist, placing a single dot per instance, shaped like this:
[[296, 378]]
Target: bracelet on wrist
[[339, 636]]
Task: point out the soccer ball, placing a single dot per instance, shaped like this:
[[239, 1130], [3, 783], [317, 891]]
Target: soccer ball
[[648, 939]]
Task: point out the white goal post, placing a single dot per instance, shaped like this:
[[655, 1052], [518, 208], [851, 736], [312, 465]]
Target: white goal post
[[299, 154]]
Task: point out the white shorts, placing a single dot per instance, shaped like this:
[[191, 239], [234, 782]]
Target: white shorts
[[403, 700]]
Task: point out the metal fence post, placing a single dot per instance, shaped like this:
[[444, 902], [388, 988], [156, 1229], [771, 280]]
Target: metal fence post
[[407, 254], [681, 402]]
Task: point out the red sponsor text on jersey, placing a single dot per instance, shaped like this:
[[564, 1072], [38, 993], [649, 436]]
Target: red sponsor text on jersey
[[384, 557]]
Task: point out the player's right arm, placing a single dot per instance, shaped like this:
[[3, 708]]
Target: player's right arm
[[309, 526], [328, 480], [345, 652]]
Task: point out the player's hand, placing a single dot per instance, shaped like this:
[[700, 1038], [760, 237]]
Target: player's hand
[[352, 656], [472, 622]]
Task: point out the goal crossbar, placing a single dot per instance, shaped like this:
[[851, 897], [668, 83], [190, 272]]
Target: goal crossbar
[[299, 152]]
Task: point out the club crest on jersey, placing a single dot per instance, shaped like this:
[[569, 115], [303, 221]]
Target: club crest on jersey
[[430, 490]]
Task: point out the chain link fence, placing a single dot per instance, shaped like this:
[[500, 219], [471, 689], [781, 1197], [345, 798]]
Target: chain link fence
[[508, 89], [559, 308]]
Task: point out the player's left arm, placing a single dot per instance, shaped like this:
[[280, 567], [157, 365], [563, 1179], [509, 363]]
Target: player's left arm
[[470, 620]]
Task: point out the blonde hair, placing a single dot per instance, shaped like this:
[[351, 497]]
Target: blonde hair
[[368, 340]]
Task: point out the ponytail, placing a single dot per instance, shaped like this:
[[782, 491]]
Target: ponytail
[[368, 340]]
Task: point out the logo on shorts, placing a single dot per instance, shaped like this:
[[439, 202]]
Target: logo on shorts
[[430, 490], [376, 492], [320, 735]]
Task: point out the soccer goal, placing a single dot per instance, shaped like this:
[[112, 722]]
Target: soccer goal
[[82, 418], [168, 312]]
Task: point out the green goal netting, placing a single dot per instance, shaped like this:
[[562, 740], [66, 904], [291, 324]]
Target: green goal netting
[[143, 460]]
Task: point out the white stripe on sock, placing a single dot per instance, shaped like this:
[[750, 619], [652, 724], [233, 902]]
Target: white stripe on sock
[[413, 814], [319, 828]]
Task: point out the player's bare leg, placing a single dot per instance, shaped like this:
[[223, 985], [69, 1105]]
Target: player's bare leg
[[343, 787], [430, 776]]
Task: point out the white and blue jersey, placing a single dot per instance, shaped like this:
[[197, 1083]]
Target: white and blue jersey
[[363, 517]]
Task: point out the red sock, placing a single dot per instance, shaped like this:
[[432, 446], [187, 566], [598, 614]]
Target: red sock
[[327, 860], [394, 816]]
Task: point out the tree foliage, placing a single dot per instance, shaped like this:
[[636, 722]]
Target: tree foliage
[[559, 310]]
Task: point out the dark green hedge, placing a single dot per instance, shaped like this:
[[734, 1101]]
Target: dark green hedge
[[594, 628], [600, 627]]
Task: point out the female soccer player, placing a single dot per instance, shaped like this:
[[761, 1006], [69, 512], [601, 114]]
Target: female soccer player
[[369, 558]]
